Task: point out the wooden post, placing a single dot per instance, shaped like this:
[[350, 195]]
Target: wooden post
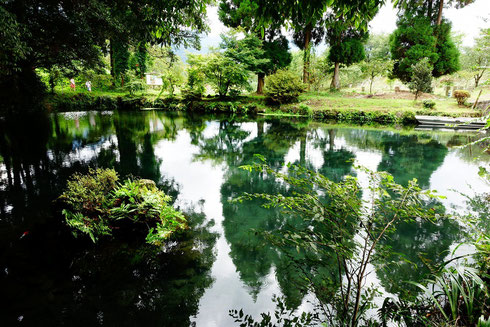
[[476, 102]]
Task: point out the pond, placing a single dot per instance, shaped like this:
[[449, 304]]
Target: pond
[[50, 278]]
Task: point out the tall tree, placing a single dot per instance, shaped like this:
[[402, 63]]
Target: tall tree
[[306, 19], [245, 14], [304, 39], [416, 38], [432, 8], [347, 30]]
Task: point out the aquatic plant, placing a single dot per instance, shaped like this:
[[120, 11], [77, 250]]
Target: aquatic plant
[[96, 204]]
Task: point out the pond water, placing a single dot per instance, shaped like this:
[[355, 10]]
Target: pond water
[[49, 278]]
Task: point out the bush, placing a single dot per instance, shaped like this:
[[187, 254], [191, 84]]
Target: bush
[[429, 104], [421, 77], [461, 96], [305, 110], [283, 87], [96, 203]]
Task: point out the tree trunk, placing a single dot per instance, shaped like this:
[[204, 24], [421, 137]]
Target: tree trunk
[[478, 76], [439, 14], [302, 151], [371, 85], [335, 79], [111, 58], [429, 10], [306, 57], [260, 83], [260, 128], [331, 139]]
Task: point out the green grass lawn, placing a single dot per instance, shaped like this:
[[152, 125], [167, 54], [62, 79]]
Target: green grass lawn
[[341, 101]]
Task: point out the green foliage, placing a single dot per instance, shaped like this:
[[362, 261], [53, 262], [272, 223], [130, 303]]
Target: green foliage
[[284, 317], [477, 58], [377, 46], [448, 55], [412, 40], [283, 87], [12, 43], [248, 51], [329, 214], [121, 57], [347, 52], [416, 38], [428, 104], [138, 60], [305, 110], [458, 293], [78, 32], [96, 204], [219, 70], [461, 96], [421, 80], [375, 67]]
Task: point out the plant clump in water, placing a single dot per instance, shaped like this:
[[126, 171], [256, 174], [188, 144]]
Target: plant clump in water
[[97, 204]]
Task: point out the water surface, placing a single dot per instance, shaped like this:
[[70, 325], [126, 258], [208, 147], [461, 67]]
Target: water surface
[[50, 278]]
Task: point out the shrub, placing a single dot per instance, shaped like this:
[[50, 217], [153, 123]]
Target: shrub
[[283, 87], [461, 96], [429, 104], [305, 110], [421, 77], [96, 203]]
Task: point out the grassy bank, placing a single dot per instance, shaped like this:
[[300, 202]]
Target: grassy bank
[[343, 107]]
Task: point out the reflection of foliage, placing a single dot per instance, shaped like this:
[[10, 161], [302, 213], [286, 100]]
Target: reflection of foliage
[[413, 253], [284, 317], [327, 227], [151, 287], [96, 204], [406, 157]]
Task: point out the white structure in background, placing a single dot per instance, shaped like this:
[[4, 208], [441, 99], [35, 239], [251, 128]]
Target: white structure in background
[[153, 80]]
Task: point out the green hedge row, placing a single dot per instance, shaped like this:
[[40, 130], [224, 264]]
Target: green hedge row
[[365, 117], [85, 102]]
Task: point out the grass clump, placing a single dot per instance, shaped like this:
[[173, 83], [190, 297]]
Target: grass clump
[[96, 204]]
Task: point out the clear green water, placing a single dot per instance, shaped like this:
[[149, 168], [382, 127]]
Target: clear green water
[[48, 278]]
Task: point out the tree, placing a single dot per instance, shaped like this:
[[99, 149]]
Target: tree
[[328, 215], [421, 80], [222, 72], [411, 41], [248, 51], [376, 63], [477, 58], [448, 54], [305, 39], [346, 50], [307, 21], [347, 30], [374, 68], [247, 16], [430, 7], [415, 38], [377, 46]]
